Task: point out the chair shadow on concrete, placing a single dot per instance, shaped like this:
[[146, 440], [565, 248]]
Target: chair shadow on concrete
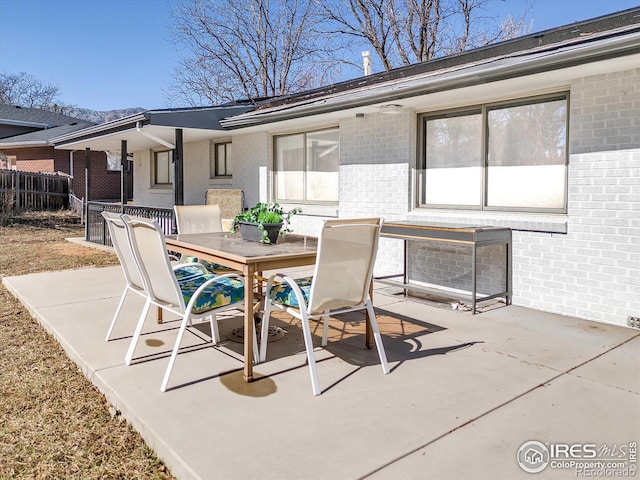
[[405, 339]]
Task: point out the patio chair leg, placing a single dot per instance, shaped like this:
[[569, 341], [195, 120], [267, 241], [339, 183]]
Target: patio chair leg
[[325, 328], [308, 342], [115, 317], [377, 337], [264, 332], [174, 353], [256, 352], [136, 333], [215, 333]]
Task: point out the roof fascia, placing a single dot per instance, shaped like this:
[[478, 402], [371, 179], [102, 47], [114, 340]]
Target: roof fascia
[[31, 143], [578, 31], [21, 123], [554, 57], [123, 124], [198, 118]]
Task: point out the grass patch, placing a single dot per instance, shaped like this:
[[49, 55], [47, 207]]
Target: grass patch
[[53, 422]]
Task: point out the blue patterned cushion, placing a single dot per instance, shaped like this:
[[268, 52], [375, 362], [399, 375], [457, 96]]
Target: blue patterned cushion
[[223, 292], [284, 294], [187, 271], [212, 267]]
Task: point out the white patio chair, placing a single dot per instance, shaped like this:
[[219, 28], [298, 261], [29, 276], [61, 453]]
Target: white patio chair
[[200, 219], [195, 297], [132, 274], [340, 283]]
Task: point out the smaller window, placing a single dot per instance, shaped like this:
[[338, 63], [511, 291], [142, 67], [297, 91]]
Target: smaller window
[[221, 160], [8, 162], [306, 166], [162, 171]]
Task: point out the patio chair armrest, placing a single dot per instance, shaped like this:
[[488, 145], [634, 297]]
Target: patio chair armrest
[[291, 282], [202, 288]]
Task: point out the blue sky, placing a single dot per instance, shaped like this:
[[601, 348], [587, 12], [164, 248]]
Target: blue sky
[[107, 54]]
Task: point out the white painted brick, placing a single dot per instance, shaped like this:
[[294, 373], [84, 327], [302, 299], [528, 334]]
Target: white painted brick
[[592, 271]]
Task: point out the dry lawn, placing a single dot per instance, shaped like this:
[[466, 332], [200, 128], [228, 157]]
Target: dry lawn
[[53, 422]]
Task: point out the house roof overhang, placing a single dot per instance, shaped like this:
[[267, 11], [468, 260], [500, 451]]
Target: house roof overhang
[[22, 123], [41, 138], [151, 129], [25, 144], [559, 62]]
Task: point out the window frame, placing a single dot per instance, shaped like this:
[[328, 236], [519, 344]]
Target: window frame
[[483, 109], [213, 160], [12, 162], [154, 169], [304, 200]]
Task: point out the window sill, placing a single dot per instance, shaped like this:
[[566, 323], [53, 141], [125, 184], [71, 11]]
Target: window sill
[[530, 222], [312, 210], [221, 181]]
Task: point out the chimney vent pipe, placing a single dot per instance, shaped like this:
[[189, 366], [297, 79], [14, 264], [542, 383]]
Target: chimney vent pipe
[[366, 62]]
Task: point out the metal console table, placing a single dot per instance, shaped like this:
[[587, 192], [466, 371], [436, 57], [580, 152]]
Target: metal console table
[[474, 236]]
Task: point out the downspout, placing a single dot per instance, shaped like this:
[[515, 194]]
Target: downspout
[[154, 137]]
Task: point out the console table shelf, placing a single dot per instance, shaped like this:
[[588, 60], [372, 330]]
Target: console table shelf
[[473, 236]]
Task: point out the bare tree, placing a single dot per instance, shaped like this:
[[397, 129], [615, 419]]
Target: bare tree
[[247, 49], [403, 32], [27, 91]]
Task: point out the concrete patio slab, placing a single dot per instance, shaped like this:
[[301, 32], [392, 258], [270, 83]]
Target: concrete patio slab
[[568, 410], [465, 391]]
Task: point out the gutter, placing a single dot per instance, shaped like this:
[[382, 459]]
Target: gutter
[[21, 123], [492, 70], [104, 128], [30, 143]]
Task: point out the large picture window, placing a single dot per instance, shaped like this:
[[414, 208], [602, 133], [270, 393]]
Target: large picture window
[[162, 168], [306, 166], [510, 156]]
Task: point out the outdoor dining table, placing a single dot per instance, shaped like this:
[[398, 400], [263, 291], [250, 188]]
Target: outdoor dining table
[[249, 258]]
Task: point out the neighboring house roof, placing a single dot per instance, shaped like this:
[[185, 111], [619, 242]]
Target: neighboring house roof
[[14, 115], [42, 137], [153, 128], [602, 38]]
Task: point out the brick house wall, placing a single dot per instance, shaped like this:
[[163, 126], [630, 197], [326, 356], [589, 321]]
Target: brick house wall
[[593, 271], [35, 166], [105, 185], [585, 263]]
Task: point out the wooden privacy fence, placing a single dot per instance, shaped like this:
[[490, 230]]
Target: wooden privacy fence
[[35, 191]]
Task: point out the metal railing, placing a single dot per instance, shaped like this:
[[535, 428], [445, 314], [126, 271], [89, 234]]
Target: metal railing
[[96, 230]]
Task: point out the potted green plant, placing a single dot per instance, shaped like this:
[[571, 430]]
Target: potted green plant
[[263, 222]]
